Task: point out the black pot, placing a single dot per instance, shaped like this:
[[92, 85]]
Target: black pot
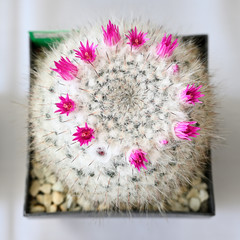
[[40, 40]]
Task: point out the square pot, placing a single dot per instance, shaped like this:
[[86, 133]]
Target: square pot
[[43, 40]]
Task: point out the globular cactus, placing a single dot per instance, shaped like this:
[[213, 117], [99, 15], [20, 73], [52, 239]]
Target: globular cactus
[[115, 114]]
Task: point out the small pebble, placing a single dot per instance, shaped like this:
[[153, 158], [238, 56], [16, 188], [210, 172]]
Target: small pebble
[[37, 208], [76, 209], [32, 174], [38, 173], [41, 181], [63, 207], [176, 206], [85, 204], [34, 189], [194, 204], [46, 172], [80, 201], [58, 187], [192, 193], [52, 208], [51, 179], [69, 200], [203, 195], [183, 201], [36, 165], [201, 186], [40, 198], [57, 198], [47, 200], [196, 181], [184, 189], [46, 188]]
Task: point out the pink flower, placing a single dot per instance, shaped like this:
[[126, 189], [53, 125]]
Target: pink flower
[[164, 141], [136, 39], [165, 47], [66, 69], [183, 130], [66, 105], [137, 158], [191, 95], [111, 36], [84, 135], [87, 53], [175, 69]]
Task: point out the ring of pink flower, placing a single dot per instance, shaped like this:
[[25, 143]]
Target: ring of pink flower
[[68, 71]]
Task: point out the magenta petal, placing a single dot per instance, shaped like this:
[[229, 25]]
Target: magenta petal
[[191, 95], [144, 166], [84, 135], [112, 36], [184, 130], [65, 69], [66, 105], [87, 53], [136, 40], [137, 158], [165, 48]]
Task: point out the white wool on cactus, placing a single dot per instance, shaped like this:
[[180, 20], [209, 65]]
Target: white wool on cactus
[[129, 96]]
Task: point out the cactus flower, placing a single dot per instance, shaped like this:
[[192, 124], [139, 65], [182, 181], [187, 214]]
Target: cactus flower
[[136, 39], [191, 95], [65, 69], [184, 130], [137, 158], [112, 36], [66, 105], [175, 69], [164, 142], [87, 53], [165, 47], [84, 135]]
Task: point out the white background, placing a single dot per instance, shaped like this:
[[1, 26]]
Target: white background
[[219, 19]]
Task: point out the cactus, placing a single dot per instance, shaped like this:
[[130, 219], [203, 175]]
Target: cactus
[[115, 114]]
